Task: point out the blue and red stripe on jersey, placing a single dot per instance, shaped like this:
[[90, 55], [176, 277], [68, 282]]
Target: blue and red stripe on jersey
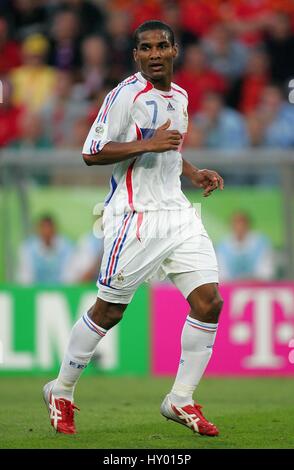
[[94, 146], [102, 116], [113, 186], [112, 97]]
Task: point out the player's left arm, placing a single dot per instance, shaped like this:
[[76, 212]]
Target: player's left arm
[[208, 180]]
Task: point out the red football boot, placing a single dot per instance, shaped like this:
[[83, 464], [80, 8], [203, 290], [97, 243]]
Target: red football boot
[[61, 411], [190, 416]]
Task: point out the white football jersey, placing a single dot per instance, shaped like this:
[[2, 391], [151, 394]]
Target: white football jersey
[[132, 111]]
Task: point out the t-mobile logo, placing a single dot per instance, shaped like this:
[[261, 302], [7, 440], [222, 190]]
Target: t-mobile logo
[[272, 324]]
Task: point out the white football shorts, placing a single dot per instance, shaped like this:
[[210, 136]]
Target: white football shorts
[[154, 244]]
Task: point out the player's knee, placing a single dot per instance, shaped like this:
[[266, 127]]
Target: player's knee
[[211, 309], [106, 315]]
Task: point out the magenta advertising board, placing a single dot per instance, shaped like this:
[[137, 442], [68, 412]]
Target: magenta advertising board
[[255, 334]]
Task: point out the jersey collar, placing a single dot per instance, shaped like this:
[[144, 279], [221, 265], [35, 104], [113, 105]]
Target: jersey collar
[[165, 94]]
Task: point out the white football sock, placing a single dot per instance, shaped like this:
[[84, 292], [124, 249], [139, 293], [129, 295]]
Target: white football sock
[[83, 340], [197, 341]]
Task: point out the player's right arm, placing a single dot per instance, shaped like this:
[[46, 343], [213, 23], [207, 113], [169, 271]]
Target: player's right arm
[[103, 145], [114, 152]]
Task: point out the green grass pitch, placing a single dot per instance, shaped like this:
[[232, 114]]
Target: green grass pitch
[[123, 413]]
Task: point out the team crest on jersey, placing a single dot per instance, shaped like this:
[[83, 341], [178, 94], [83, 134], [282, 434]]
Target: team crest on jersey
[[120, 276], [99, 130]]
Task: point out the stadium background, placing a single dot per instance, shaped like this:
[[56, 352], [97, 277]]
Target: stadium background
[[57, 62]]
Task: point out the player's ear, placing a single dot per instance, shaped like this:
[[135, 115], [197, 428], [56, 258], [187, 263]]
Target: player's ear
[[175, 50], [135, 54]]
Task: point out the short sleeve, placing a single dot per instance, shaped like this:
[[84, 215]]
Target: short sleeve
[[111, 122]]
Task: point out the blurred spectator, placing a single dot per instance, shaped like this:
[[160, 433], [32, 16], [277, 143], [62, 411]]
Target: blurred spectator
[[119, 45], [222, 128], [90, 15], [254, 81], [93, 71], [44, 258], [197, 78], [245, 254], [277, 116], [86, 260], [10, 51], [247, 18], [280, 45], [61, 111], [64, 50], [198, 16], [138, 10], [27, 17], [255, 129], [10, 117], [80, 131], [195, 136], [31, 133], [33, 81], [226, 55], [171, 15]]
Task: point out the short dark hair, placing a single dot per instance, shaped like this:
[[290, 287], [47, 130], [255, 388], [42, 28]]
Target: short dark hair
[[244, 215], [152, 25], [46, 218]]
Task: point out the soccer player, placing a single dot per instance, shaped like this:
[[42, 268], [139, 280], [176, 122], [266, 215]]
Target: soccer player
[[149, 227]]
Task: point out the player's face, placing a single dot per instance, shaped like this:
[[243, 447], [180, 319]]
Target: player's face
[[154, 55]]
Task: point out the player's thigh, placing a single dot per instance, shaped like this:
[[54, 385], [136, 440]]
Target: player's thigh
[[192, 264], [129, 258]]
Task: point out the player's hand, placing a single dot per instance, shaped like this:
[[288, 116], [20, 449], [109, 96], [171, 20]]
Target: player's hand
[[208, 180], [163, 139]]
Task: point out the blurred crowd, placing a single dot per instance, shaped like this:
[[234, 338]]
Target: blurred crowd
[[48, 257], [58, 59]]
